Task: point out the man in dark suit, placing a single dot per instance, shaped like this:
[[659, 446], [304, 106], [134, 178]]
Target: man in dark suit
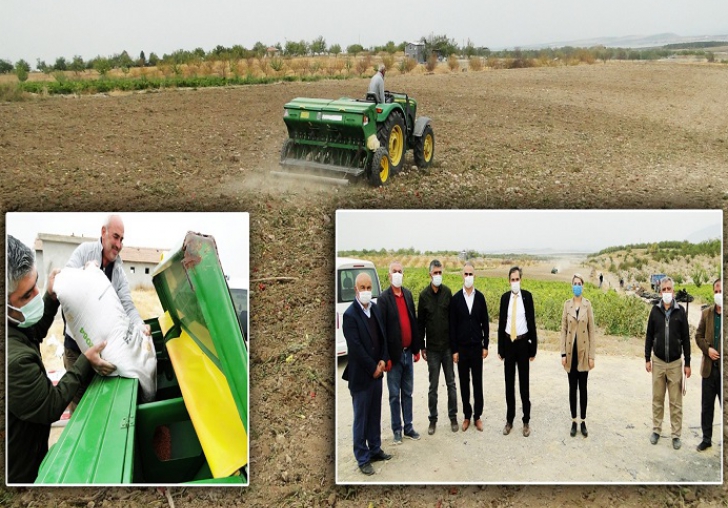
[[400, 323], [517, 344], [366, 341], [469, 343]]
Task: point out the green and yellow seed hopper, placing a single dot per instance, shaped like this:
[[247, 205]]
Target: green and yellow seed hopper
[[196, 429]]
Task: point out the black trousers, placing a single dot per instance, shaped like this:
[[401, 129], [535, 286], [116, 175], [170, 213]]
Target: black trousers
[[711, 391], [518, 358], [470, 361], [577, 380]]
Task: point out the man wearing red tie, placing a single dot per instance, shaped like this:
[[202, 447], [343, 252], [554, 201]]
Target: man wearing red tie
[[517, 344]]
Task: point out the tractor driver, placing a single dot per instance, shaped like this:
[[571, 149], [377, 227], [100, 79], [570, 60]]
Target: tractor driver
[[376, 85]]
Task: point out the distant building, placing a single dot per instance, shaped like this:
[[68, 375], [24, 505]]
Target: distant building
[[54, 251], [415, 50]]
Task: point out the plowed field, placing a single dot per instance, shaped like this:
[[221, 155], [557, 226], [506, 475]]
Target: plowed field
[[620, 135]]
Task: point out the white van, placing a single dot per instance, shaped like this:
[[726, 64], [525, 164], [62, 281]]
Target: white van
[[347, 269]]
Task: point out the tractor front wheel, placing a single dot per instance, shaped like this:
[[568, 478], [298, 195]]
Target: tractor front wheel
[[379, 169], [391, 136], [424, 149]]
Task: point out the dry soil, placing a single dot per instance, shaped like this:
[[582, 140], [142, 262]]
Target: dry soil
[[620, 135]]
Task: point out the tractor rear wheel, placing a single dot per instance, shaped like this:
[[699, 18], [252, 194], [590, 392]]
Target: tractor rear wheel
[[391, 136], [424, 149], [380, 167]]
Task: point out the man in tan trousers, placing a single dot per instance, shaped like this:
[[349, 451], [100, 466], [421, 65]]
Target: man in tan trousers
[[668, 340]]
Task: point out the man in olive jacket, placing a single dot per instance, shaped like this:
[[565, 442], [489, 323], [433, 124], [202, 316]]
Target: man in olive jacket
[[708, 336], [33, 402], [433, 315]]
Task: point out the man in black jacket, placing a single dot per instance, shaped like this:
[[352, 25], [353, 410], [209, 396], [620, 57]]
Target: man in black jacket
[[403, 341], [469, 343], [517, 345], [33, 402], [433, 315], [667, 341]]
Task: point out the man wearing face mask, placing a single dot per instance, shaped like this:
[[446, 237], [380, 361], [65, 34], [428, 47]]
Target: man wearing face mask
[[708, 336], [366, 341], [400, 322], [106, 255], [517, 345], [667, 341], [433, 315], [33, 402], [469, 344]]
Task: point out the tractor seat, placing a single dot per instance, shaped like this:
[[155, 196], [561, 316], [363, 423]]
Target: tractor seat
[[371, 97]]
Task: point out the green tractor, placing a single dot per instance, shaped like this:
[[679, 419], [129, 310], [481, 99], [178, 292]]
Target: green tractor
[[337, 140]]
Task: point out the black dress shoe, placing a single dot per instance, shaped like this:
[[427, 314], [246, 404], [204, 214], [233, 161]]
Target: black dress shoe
[[583, 429], [704, 445], [379, 456], [573, 429], [367, 468]]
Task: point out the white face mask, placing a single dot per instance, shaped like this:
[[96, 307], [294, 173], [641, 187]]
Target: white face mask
[[365, 297], [718, 299], [468, 281], [516, 287], [437, 280], [397, 279], [31, 311], [667, 298]]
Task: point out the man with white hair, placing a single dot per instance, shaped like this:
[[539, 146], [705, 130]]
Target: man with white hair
[[106, 254], [33, 402], [667, 344], [376, 84]]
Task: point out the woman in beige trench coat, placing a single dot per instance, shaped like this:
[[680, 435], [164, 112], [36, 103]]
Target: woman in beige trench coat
[[577, 348]]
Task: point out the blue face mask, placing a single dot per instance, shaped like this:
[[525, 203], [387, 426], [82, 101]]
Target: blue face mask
[[577, 289], [31, 311]]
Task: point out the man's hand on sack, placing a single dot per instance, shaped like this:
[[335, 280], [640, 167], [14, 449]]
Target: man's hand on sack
[[99, 365], [51, 281]]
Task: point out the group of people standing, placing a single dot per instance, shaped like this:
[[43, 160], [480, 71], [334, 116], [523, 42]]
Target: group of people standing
[[446, 330], [388, 337]]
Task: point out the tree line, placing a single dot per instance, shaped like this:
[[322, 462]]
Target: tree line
[[440, 46]]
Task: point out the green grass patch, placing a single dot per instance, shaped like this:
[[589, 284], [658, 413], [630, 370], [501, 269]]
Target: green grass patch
[[106, 85], [614, 313]]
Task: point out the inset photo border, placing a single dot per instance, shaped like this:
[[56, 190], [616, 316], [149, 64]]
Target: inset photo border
[[586, 378], [127, 349]]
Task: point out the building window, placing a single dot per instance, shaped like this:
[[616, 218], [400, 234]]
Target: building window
[[146, 271], [132, 269]]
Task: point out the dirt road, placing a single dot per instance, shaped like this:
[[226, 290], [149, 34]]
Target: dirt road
[[617, 450]]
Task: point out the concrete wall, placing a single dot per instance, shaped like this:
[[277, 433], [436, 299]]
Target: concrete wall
[[56, 255]]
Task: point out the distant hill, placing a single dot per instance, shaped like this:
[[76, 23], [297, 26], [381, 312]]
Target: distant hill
[[632, 41]]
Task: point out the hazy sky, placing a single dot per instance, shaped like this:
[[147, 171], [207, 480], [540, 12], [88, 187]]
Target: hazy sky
[[519, 231], [158, 230], [47, 29]]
